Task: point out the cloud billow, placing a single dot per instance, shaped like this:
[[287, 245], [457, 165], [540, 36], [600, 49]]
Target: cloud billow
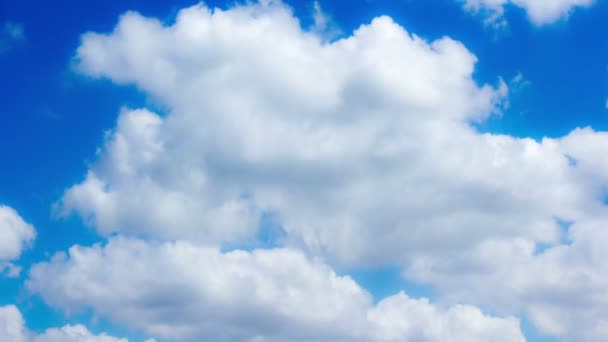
[[17, 235]]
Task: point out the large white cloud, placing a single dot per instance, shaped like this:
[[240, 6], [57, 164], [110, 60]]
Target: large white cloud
[[183, 291], [15, 236], [342, 140], [539, 11], [12, 329], [362, 148], [562, 289]]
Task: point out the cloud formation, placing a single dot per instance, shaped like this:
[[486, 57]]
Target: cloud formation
[[354, 118], [540, 12], [12, 328], [269, 295], [364, 150], [15, 236]]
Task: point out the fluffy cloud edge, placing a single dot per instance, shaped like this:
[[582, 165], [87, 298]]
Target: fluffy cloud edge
[[13, 329], [16, 235], [268, 295]]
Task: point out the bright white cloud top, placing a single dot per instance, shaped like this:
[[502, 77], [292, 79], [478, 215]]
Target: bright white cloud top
[[363, 149], [15, 236], [540, 12]]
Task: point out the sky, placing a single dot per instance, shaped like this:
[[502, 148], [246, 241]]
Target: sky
[[371, 170]]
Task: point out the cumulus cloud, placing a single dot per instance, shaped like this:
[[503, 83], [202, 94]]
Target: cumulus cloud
[[12, 328], [540, 12], [15, 236], [562, 288], [273, 295], [362, 148], [353, 117]]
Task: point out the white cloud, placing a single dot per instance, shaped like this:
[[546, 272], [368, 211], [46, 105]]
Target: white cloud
[[264, 295], [540, 12], [184, 200], [11, 324], [563, 289], [350, 117], [362, 148], [15, 236], [12, 328]]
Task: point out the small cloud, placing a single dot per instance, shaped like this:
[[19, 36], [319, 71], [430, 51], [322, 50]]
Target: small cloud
[[324, 24], [513, 88], [606, 104], [519, 83], [492, 15], [539, 12], [10, 270], [320, 18], [495, 19]]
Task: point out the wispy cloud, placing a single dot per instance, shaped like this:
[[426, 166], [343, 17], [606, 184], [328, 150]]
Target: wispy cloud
[[324, 24], [12, 33], [539, 12]]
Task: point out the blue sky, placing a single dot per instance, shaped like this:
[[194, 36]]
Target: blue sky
[[61, 111]]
